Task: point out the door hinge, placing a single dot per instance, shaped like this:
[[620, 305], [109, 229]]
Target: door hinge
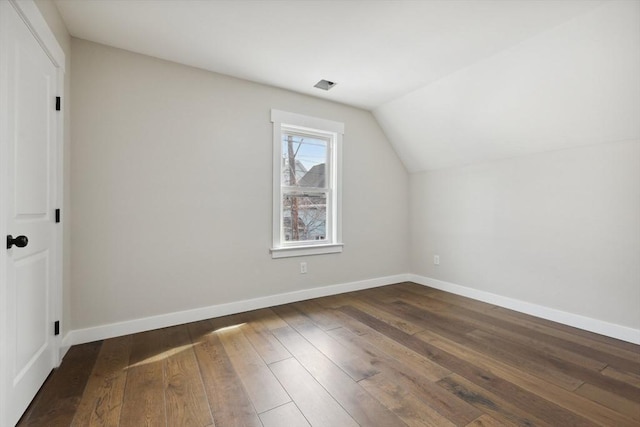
[[57, 103], [56, 327], [57, 215]]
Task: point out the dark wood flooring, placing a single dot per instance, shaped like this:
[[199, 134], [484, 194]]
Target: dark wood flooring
[[392, 356]]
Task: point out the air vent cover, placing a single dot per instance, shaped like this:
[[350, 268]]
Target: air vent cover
[[324, 84]]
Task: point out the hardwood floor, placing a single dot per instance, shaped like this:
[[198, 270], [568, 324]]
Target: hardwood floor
[[391, 356]]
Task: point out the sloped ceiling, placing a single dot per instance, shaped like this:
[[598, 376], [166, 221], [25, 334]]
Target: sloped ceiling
[[450, 82], [575, 84]]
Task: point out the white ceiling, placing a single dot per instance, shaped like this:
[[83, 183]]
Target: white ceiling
[[421, 66]]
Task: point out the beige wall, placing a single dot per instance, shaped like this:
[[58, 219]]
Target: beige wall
[[171, 183], [57, 26], [558, 229]]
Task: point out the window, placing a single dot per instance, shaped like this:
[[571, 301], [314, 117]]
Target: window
[[306, 185]]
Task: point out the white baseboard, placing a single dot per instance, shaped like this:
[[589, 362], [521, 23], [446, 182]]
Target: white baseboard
[[65, 345], [80, 336], [582, 322]]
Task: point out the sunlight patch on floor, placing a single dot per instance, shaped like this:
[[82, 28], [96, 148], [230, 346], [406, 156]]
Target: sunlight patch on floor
[[163, 355], [230, 328]]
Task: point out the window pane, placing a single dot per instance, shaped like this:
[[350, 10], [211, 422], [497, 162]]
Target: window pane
[[303, 161], [309, 212]]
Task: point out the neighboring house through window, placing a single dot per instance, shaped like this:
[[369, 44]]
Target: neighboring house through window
[[306, 185]]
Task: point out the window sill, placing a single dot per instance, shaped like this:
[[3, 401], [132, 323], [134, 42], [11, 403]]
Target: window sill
[[292, 251]]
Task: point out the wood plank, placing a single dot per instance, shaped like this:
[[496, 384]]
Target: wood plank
[[318, 314], [229, 402], [388, 351], [545, 348], [571, 334], [57, 402], [356, 368], [436, 306], [447, 404], [560, 367], [620, 358], [430, 320], [363, 408], [334, 301], [349, 323], [530, 402], [186, 400], [603, 345], [486, 421], [395, 350], [263, 389], [512, 353], [263, 341], [611, 400], [59, 414], [269, 318], [371, 306], [627, 377], [144, 403], [419, 290], [487, 323], [611, 343], [286, 415], [101, 402], [315, 403], [521, 357], [399, 294], [629, 362], [567, 399], [489, 403], [413, 411]]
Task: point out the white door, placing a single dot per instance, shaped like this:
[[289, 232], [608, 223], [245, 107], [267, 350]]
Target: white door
[[28, 128]]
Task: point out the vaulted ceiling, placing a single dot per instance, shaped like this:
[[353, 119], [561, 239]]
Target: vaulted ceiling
[[450, 82]]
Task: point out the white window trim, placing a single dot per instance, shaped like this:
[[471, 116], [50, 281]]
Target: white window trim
[[311, 124]]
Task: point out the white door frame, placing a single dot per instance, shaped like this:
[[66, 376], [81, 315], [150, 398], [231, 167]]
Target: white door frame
[[36, 23]]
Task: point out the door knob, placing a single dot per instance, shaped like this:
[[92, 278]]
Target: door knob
[[20, 241]]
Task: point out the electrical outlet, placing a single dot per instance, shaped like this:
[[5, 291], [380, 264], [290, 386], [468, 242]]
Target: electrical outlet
[[436, 259], [303, 268]]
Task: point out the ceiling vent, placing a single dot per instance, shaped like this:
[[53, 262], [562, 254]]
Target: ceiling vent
[[324, 84]]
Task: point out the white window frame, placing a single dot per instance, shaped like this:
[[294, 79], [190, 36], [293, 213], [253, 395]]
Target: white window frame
[[325, 129]]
